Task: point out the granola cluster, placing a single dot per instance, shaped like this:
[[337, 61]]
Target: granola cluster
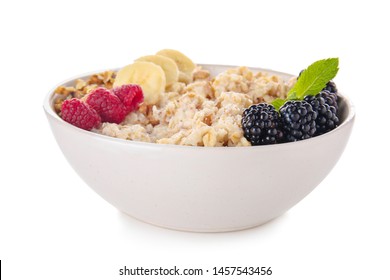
[[82, 87]]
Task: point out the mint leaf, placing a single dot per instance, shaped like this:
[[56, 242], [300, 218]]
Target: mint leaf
[[314, 78], [278, 102]]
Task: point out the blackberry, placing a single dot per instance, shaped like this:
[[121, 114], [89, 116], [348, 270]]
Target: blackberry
[[261, 124], [331, 87], [329, 97], [299, 120], [326, 114]]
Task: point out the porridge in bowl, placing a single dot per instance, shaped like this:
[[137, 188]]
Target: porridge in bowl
[[130, 114], [167, 99], [205, 112]]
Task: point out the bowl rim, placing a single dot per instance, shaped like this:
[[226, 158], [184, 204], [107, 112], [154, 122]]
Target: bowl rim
[[48, 100]]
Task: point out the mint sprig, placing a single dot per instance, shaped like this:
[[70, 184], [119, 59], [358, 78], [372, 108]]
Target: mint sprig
[[278, 102], [311, 81]]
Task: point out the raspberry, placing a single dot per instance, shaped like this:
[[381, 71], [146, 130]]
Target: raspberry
[[79, 114], [261, 124], [131, 96], [107, 104], [299, 120]]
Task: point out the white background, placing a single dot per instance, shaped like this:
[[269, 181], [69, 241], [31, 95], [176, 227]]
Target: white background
[[53, 226]]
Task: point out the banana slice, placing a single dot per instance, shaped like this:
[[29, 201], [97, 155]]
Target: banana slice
[[167, 64], [148, 75], [184, 78], [183, 62]]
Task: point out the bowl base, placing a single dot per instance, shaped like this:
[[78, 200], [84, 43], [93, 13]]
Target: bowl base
[[201, 230]]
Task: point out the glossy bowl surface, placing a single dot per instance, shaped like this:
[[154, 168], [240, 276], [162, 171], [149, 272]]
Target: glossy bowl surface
[[201, 189]]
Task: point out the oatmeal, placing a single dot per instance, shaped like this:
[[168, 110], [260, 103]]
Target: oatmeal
[[204, 112], [177, 102], [167, 99]]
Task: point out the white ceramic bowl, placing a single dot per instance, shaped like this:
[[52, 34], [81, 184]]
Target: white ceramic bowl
[[200, 188]]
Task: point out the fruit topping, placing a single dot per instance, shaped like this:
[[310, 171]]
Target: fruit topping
[[107, 105], [331, 87], [322, 104], [167, 64], [80, 114], [130, 95], [184, 63], [148, 75], [330, 98], [299, 120], [262, 125]]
